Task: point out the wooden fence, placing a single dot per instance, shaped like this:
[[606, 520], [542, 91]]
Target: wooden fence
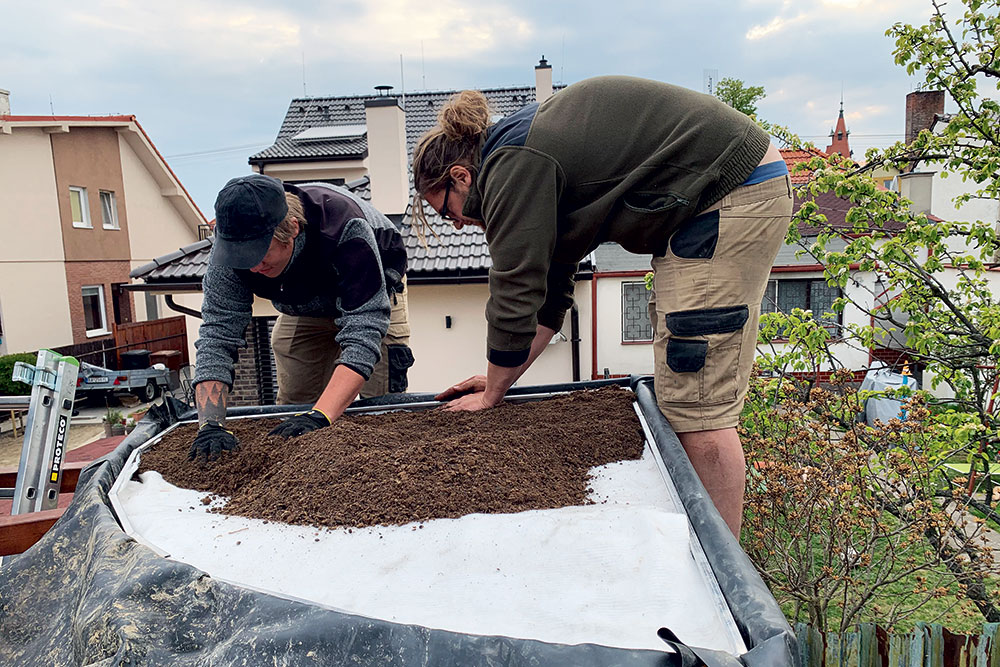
[[929, 645], [169, 333]]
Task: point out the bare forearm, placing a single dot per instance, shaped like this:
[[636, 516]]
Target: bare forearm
[[211, 398], [541, 340], [343, 388]]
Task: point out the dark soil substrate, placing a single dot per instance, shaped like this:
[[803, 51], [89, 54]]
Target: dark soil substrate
[[399, 467]]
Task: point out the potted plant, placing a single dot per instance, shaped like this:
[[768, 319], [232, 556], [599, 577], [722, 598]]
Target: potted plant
[[114, 423]]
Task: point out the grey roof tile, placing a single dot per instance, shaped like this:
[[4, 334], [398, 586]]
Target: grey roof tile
[[452, 253]]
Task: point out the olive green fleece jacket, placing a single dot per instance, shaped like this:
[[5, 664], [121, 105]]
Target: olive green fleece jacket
[[607, 159]]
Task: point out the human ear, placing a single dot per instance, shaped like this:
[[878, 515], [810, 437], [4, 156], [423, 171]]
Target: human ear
[[460, 174]]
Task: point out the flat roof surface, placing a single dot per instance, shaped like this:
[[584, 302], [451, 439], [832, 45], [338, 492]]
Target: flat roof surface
[[612, 572]]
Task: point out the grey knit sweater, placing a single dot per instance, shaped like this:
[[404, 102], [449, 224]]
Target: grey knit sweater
[[336, 270]]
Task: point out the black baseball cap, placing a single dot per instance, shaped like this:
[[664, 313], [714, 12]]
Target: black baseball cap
[[247, 211]]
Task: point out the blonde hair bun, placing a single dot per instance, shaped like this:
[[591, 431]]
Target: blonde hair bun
[[465, 116]]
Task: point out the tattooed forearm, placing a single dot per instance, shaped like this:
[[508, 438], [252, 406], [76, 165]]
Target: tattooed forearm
[[211, 397]]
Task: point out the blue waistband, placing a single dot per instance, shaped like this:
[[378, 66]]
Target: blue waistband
[[766, 172]]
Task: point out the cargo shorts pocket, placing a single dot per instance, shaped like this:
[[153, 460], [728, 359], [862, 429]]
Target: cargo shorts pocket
[[702, 356], [400, 359], [686, 356]]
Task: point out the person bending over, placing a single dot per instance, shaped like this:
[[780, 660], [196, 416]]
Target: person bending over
[[334, 268], [656, 168]]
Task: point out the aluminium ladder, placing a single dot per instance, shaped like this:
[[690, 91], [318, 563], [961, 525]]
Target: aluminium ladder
[[53, 387]]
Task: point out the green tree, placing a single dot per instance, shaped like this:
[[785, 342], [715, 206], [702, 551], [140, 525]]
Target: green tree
[[740, 96], [924, 283]]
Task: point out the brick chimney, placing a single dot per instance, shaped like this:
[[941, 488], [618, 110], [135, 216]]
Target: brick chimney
[[543, 80], [922, 107], [390, 183], [4, 102]]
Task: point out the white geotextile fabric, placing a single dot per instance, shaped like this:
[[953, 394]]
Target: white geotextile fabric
[[611, 573]]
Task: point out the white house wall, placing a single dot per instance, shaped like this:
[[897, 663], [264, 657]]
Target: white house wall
[[943, 192], [33, 293], [33, 300], [348, 170], [154, 224], [612, 354], [444, 356]]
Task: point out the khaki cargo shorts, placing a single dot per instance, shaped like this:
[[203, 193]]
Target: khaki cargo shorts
[[705, 304], [306, 353]]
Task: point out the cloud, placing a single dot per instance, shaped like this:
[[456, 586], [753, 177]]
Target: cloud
[[850, 15], [776, 25], [443, 30]]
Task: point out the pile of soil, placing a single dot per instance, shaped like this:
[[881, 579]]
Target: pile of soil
[[399, 467]]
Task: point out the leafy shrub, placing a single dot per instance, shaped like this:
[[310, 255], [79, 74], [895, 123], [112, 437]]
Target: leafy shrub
[[7, 385]]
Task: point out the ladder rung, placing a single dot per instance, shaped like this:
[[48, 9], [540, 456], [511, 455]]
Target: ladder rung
[[70, 476]]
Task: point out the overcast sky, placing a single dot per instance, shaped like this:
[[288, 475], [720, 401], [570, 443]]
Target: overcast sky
[[210, 80]]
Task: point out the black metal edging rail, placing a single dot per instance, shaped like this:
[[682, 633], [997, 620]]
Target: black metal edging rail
[[767, 634]]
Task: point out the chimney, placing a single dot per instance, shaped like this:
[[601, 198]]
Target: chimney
[[390, 182], [4, 102], [922, 107], [543, 80]]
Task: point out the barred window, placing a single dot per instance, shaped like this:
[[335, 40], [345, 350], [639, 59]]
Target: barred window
[[635, 318], [815, 295]]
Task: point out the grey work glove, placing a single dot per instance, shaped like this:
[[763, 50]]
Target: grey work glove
[[211, 441], [301, 424]]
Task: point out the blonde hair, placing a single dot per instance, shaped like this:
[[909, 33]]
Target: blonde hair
[[283, 232], [457, 139]]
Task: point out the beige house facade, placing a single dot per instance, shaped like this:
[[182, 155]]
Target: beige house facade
[[86, 199]]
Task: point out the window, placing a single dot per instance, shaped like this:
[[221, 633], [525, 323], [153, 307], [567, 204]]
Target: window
[[79, 207], [814, 295], [93, 310], [109, 212], [635, 318]]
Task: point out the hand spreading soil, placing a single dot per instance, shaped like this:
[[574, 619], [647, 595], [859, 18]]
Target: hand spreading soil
[[399, 467]]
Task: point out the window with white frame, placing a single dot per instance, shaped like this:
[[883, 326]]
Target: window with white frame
[[79, 208], [93, 310], [810, 294], [635, 318], [109, 213]]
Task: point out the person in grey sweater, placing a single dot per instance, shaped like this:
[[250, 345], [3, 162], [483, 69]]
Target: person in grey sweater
[[334, 268]]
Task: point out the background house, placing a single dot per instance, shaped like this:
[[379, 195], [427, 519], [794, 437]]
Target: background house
[[86, 199], [364, 143]]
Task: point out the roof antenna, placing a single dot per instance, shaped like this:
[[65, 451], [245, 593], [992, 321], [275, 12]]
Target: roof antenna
[[402, 82], [562, 59], [51, 108], [304, 93]]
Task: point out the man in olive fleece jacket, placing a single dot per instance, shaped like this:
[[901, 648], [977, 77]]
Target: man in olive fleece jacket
[[612, 159], [658, 169]]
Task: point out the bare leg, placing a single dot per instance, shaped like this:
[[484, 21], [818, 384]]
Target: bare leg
[[717, 457]]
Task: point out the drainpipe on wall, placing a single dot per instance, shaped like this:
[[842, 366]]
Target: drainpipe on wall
[[176, 307], [593, 325], [574, 339]]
